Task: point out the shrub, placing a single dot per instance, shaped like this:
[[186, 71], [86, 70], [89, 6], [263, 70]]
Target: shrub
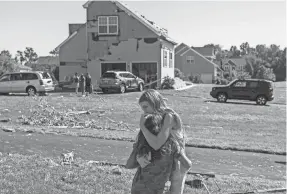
[[178, 73], [197, 79], [167, 83]]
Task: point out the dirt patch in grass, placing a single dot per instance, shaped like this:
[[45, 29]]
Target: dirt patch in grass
[[227, 126], [35, 174]]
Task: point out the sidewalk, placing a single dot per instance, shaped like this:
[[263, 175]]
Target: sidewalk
[[219, 162]]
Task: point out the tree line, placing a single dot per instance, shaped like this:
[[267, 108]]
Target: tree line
[[264, 62]]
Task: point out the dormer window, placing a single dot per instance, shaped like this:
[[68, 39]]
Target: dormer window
[[108, 25]]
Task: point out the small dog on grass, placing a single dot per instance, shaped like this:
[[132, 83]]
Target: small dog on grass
[[68, 158]]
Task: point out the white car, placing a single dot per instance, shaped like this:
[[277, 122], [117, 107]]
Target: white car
[[30, 82]]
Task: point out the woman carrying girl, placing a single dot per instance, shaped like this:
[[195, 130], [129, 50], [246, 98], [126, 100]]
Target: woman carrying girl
[[168, 149]]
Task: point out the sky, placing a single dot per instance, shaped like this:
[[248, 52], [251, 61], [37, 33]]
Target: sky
[[43, 25]]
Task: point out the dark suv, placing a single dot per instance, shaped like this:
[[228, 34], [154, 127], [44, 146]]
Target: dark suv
[[120, 81], [257, 90]]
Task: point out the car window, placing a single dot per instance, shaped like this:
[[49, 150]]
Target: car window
[[240, 84], [130, 75], [5, 78], [16, 77], [253, 84], [109, 75], [30, 76], [123, 75], [45, 75]]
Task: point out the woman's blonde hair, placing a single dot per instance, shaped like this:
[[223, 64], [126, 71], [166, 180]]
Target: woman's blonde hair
[[156, 100]]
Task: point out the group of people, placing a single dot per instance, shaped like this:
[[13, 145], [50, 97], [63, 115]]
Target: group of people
[[159, 151], [84, 82]]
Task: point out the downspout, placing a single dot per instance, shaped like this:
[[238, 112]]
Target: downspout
[[87, 41]]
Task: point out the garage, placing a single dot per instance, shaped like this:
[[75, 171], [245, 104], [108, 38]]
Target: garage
[[145, 70], [206, 78], [113, 66]]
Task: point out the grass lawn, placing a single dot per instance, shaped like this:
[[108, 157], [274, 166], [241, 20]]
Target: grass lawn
[[238, 125], [35, 174]]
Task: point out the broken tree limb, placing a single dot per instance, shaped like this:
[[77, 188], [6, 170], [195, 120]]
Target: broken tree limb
[[264, 191], [79, 112]]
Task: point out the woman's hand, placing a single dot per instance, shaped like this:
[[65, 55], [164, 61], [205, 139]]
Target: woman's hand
[[144, 160]]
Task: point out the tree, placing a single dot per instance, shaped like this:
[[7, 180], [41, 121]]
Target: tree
[[30, 55], [6, 53], [235, 51], [244, 47], [256, 68], [178, 73], [54, 52], [6, 62], [20, 57]]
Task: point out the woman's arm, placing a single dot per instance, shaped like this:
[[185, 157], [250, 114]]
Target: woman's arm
[[157, 141]]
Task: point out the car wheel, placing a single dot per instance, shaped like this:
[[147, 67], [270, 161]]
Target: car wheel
[[105, 91], [140, 87], [31, 91], [261, 100], [122, 88], [221, 97]]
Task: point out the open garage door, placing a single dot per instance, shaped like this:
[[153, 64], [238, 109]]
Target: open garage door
[[145, 70], [113, 66]]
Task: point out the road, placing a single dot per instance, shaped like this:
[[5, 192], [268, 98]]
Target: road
[[219, 162]]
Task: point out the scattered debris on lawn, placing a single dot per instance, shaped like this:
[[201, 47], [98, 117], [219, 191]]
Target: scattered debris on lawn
[[44, 114], [116, 170], [6, 120], [8, 129]]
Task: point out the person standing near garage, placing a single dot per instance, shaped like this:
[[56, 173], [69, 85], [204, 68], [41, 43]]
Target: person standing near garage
[[83, 84], [76, 81], [89, 88]]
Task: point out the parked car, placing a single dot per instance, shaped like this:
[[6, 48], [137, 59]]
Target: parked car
[[120, 81], [257, 90], [30, 82]]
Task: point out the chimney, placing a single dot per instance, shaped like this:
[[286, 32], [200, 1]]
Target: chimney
[[73, 28]]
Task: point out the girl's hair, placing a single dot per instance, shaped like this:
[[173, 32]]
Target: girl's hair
[[156, 100]]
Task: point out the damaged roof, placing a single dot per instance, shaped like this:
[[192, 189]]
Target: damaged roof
[[70, 37], [161, 32]]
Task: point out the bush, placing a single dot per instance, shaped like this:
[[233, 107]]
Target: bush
[[221, 81], [167, 83], [197, 79], [178, 73]]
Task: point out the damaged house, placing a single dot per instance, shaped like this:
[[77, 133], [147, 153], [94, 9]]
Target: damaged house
[[116, 38]]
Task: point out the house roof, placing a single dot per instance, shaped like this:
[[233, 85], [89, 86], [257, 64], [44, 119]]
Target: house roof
[[69, 38], [48, 60], [205, 51], [235, 61], [161, 32], [187, 48]]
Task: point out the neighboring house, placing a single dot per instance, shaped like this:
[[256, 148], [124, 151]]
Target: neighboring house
[[235, 64], [191, 62], [207, 52], [115, 37]]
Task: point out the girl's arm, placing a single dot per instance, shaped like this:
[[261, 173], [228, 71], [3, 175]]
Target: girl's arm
[[157, 141]]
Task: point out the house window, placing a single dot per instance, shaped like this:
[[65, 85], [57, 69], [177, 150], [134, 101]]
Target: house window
[[164, 58], [226, 67], [108, 25], [190, 59], [240, 84], [170, 60]]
